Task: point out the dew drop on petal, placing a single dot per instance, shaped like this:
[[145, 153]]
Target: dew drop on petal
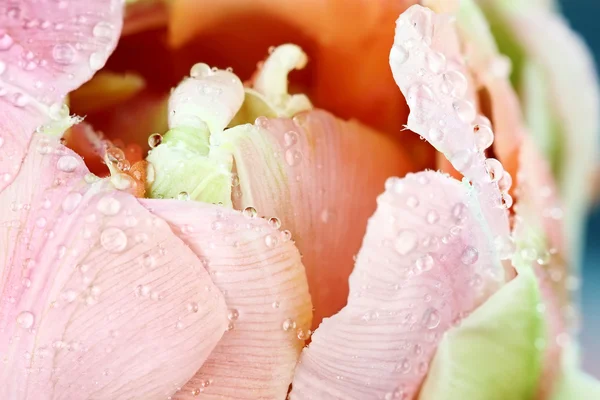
[[192, 307], [113, 239], [250, 212], [25, 319], [233, 314], [155, 140], [431, 318], [469, 255], [432, 217], [398, 54], [424, 263], [484, 136], [494, 169], [64, 53], [461, 160], [67, 163], [274, 223], [465, 110], [288, 324], [406, 242], [271, 240], [454, 83], [109, 206]]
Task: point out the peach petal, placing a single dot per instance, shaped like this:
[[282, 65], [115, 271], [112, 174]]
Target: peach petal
[[320, 178]]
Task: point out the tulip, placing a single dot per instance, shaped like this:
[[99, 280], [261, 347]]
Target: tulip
[[156, 277]]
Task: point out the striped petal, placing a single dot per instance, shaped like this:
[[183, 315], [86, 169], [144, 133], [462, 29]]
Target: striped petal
[[427, 260], [95, 289], [259, 272]]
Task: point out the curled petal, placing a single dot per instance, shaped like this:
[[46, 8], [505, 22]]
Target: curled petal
[[428, 68], [319, 175], [259, 272], [426, 261], [95, 289]]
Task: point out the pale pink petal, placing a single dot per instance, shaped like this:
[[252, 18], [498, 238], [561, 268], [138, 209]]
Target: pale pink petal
[[428, 67], [95, 291], [51, 47], [427, 260], [47, 48], [320, 176], [258, 270]]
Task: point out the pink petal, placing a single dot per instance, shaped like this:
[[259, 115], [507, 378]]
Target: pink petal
[[321, 180], [43, 56], [428, 67], [426, 261], [258, 270], [96, 291], [51, 47]]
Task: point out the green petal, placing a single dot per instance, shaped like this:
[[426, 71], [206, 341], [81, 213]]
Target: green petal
[[496, 353], [576, 385]]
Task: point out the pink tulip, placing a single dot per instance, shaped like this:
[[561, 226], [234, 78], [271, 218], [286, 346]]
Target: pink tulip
[[106, 294]]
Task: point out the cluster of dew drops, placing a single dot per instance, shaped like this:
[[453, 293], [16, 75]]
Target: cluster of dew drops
[[455, 84], [64, 54]]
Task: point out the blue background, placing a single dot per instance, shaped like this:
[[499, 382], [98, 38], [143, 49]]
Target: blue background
[[584, 17]]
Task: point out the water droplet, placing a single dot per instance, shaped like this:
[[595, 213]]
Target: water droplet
[[275, 304], [6, 41], [64, 53], [25, 319], [71, 202], [20, 100], [67, 163], [192, 307], [274, 223], [303, 335], [293, 157], [484, 136], [398, 54], [290, 138], [113, 240], [103, 30], [436, 62], [461, 160], [505, 182], [494, 169], [454, 83], [288, 324], [2, 67], [200, 70], [469, 255], [96, 61], [404, 366], [69, 296], [432, 217], [406, 242], [58, 111], [286, 236], [424, 263], [412, 202], [179, 325], [459, 211], [41, 222], [155, 140], [250, 212], [465, 110], [233, 314], [109, 206], [507, 200], [183, 196], [271, 241], [431, 318], [421, 22], [261, 122], [436, 135]]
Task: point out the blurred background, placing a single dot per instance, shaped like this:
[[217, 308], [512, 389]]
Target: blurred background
[[583, 17]]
